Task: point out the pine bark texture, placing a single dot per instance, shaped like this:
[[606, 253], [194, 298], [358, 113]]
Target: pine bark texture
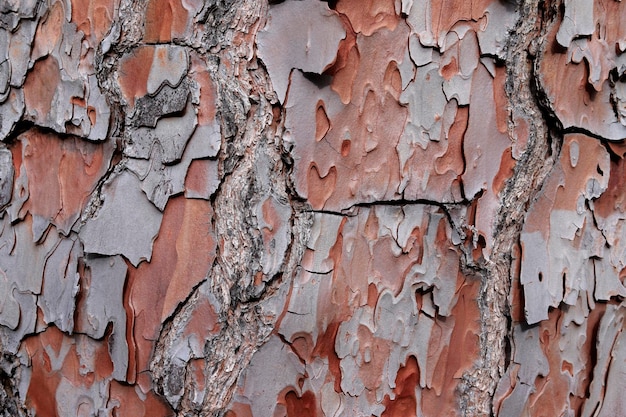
[[312, 208]]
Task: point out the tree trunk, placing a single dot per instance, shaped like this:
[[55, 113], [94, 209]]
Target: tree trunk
[[306, 208]]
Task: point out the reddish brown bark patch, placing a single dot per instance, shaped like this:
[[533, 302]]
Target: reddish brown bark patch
[[182, 255], [93, 17], [165, 20], [61, 173], [304, 406], [368, 16], [134, 72], [404, 404], [126, 401], [41, 86], [321, 186]]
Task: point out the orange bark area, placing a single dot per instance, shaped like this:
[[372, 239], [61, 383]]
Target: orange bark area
[[41, 86], [345, 67], [448, 153], [182, 255], [376, 353], [239, 410], [577, 99], [450, 69], [303, 406], [321, 186], [54, 357], [611, 20], [393, 80], [387, 268], [128, 401], [517, 291], [94, 17], [200, 74], [464, 342], [165, 20], [134, 72], [348, 288], [567, 183], [357, 154], [49, 31], [589, 353], [203, 322], [197, 375], [404, 403], [456, 358], [302, 345], [368, 16], [444, 173], [507, 164], [198, 178], [61, 173], [501, 100], [325, 348], [358, 139], [43, 383], [553, 392], [273, 223], [322, 124], [446, 13]]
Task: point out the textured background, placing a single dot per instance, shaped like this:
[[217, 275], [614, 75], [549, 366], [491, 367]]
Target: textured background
[[307, 208]]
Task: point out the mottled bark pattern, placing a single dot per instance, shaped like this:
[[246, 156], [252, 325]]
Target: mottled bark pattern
[[312, 208]]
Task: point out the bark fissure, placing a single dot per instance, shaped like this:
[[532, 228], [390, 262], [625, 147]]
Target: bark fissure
[[532, 168]]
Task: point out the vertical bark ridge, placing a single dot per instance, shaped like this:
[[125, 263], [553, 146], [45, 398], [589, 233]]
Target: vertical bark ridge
[[532, 168], [247, 295]]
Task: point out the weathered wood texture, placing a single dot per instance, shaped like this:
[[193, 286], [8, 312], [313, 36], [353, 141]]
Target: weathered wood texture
[[305, 208]]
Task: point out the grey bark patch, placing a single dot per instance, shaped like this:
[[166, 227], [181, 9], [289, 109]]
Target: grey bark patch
[[169, 66], [6, 177], [103, 292], [171, 133], [10, 340], [96, 116], [294, 25], [10, 112], [501, 17], [277, 359], [160, 181], [609, 364], [9, 307], [126, 224], [22, 259], [20, 45], [75, 400], [60, 285], [578, 21]]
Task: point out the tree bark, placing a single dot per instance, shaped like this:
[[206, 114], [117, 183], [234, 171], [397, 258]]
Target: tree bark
[[312, 208]]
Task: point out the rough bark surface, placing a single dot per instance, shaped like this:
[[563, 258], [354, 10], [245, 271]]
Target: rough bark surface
[[312, 208]]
